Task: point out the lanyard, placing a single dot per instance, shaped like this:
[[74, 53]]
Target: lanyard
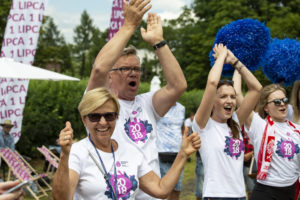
[[114, 192]]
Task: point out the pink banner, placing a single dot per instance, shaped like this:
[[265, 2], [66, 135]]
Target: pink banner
[[117, 18], [19, 43]]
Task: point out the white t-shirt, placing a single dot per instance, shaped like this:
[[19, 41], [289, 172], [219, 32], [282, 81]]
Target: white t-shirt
[[223, 159], [137, 126], [130, 166], [170, 131], [285, 163], [188, 122]]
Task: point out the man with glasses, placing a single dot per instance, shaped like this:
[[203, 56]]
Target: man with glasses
[[120, 70]]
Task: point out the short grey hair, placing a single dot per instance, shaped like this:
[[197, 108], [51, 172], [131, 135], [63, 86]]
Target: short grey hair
[[130, 50]]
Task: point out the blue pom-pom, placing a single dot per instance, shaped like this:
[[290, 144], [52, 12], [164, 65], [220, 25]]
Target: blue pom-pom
[[248, 39], [282, 61]]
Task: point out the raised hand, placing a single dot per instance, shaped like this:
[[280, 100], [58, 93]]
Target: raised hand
[[191, 143], [154, 32], [230, 59], [219, 51], [66, 138], [134, 11]]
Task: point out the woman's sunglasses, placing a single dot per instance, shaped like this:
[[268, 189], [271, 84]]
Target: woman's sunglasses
[[225, 82], [109, 116], [277, 102]]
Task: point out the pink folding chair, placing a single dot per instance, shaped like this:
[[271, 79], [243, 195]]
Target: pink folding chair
[[22, 170]]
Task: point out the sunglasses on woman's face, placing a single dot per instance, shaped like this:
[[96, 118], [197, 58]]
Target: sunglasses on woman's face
[[109, 116], [277, 102]]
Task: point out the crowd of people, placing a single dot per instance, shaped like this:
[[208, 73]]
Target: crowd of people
[[137, 144]]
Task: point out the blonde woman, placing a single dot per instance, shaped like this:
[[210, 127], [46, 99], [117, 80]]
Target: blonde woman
[[276, 143], [98, 167]]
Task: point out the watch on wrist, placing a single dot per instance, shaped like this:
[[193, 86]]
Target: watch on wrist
[[159, 45]]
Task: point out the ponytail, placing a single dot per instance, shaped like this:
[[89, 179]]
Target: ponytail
[[235, 129]]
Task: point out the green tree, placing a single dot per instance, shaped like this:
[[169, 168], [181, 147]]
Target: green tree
[[84, 35], [4, 11], [98, 41], [52, 48]]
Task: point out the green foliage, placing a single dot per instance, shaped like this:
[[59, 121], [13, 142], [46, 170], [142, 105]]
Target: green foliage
[[52, 49], [191, 100], [88, 42], [84, 33], [4, 11], [144, 87], [48, 106]]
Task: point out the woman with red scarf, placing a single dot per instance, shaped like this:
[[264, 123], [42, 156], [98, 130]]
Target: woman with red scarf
[[276, 143]]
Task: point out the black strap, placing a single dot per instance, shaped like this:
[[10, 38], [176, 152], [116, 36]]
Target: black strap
[[159, 45]]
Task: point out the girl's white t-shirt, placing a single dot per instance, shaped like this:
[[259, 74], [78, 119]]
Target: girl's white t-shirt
[[223, 158]]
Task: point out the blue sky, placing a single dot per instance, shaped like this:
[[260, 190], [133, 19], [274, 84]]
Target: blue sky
[[66, 13]]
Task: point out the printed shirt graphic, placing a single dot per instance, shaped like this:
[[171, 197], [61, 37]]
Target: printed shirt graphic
[[92, 185], [285, 162], [233, 146], [138, 130], [287, 149], [126, 185], [223, 159]]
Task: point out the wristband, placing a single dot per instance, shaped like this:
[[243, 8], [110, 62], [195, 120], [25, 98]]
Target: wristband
[[159, 45]]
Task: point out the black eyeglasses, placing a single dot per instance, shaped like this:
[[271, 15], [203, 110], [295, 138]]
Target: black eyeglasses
[[127, 70], [109, 116], [277, 102]]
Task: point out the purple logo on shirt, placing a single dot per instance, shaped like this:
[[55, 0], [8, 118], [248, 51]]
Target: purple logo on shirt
[[125, 185], [233, 147], [118, 164], [287, 149], [137, 130]]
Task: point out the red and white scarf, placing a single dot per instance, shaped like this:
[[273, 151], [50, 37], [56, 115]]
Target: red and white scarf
[[266, 148]]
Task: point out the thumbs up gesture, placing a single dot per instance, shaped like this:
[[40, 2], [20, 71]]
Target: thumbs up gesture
[[65, 138], [190, 143]]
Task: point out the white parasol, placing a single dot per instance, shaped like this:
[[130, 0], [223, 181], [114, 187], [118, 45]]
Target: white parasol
[[12, 69]]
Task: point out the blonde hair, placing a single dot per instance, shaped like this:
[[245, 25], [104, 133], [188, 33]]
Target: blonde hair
[[95, 98], [264, 95], [295, 101]]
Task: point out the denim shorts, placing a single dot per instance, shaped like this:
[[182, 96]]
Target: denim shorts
[[164, 168], [199, 177]]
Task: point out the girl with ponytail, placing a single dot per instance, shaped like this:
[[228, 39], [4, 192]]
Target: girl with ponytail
[[218, 125]]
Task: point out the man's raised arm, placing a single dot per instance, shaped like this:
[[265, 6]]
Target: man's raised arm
[[164, 98], [109, 54]]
